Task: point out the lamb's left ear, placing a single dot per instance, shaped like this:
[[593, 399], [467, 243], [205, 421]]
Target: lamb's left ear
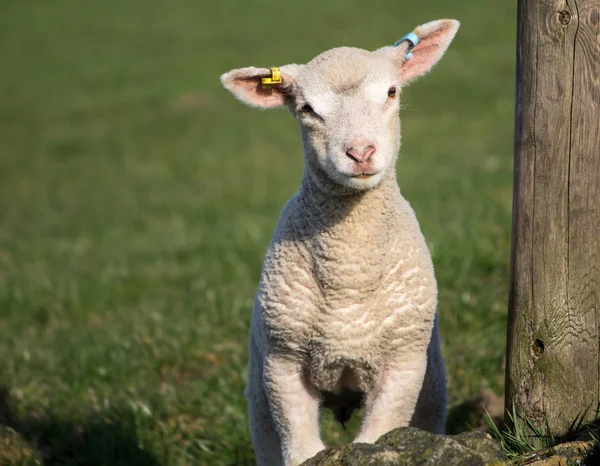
[[249, 85], [433, 41]]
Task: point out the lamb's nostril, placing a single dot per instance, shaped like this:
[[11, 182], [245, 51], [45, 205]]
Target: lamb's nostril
[[361, 154], [367, 153], [354, 154]]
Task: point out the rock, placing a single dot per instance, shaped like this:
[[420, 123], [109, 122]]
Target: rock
[[579, 452], [14, 449], [483, 443], [408, 446], [356, 454]]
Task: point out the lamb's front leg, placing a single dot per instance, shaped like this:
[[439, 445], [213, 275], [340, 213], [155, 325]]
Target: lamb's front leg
[[295, 409], [265, 438], [392, 402]]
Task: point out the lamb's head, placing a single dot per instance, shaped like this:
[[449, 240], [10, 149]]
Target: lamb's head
[[346, 101]]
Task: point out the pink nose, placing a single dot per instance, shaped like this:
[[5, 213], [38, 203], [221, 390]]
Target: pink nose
[[360, 153]]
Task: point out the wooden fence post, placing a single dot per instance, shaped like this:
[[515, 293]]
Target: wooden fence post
[[553, 353]]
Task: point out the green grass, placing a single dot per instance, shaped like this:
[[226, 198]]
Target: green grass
[[520, 435], [137, 199]]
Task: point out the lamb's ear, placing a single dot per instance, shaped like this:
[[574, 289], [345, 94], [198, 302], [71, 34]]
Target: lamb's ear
[[247, 85], [434, 39]]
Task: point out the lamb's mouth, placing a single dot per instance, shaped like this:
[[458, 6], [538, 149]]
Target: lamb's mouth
[[363, 176]]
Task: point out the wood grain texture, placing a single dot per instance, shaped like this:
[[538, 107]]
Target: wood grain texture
[[553, 358]]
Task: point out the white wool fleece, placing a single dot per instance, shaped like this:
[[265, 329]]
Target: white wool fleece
[[345, 313]]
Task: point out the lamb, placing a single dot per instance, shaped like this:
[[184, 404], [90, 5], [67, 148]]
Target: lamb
[[345, 312]]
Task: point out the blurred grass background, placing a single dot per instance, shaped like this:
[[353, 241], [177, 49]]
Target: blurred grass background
[[137, 199]]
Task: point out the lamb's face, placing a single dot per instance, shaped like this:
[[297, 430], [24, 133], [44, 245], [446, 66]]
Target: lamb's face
[[346, 101]]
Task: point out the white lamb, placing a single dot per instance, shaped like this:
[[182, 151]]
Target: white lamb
[[345, 313]]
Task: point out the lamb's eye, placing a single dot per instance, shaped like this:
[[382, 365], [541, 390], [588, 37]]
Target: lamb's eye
[[306, 109], [392, 92]]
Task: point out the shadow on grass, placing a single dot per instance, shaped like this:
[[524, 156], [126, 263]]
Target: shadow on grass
[[469, 414], [97, 441], [462, 417]]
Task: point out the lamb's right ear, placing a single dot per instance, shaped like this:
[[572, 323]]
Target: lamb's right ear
[[247, 85]]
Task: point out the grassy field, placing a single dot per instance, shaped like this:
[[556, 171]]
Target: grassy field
[[137, 199]]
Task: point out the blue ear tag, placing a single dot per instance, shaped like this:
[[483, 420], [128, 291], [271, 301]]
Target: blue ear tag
[[412, 39]]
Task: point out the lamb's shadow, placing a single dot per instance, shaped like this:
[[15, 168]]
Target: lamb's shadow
[[466, 416], [99, 441]]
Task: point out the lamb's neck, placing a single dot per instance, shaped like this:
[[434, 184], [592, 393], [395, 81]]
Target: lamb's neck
[[345, 209], [352, 237]]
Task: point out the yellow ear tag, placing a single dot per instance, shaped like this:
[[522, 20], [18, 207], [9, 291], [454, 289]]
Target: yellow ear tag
[[275, 78]]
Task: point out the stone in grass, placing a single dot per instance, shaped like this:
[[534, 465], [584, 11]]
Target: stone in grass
[[408, 446], [580, 452], [14, 449]]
